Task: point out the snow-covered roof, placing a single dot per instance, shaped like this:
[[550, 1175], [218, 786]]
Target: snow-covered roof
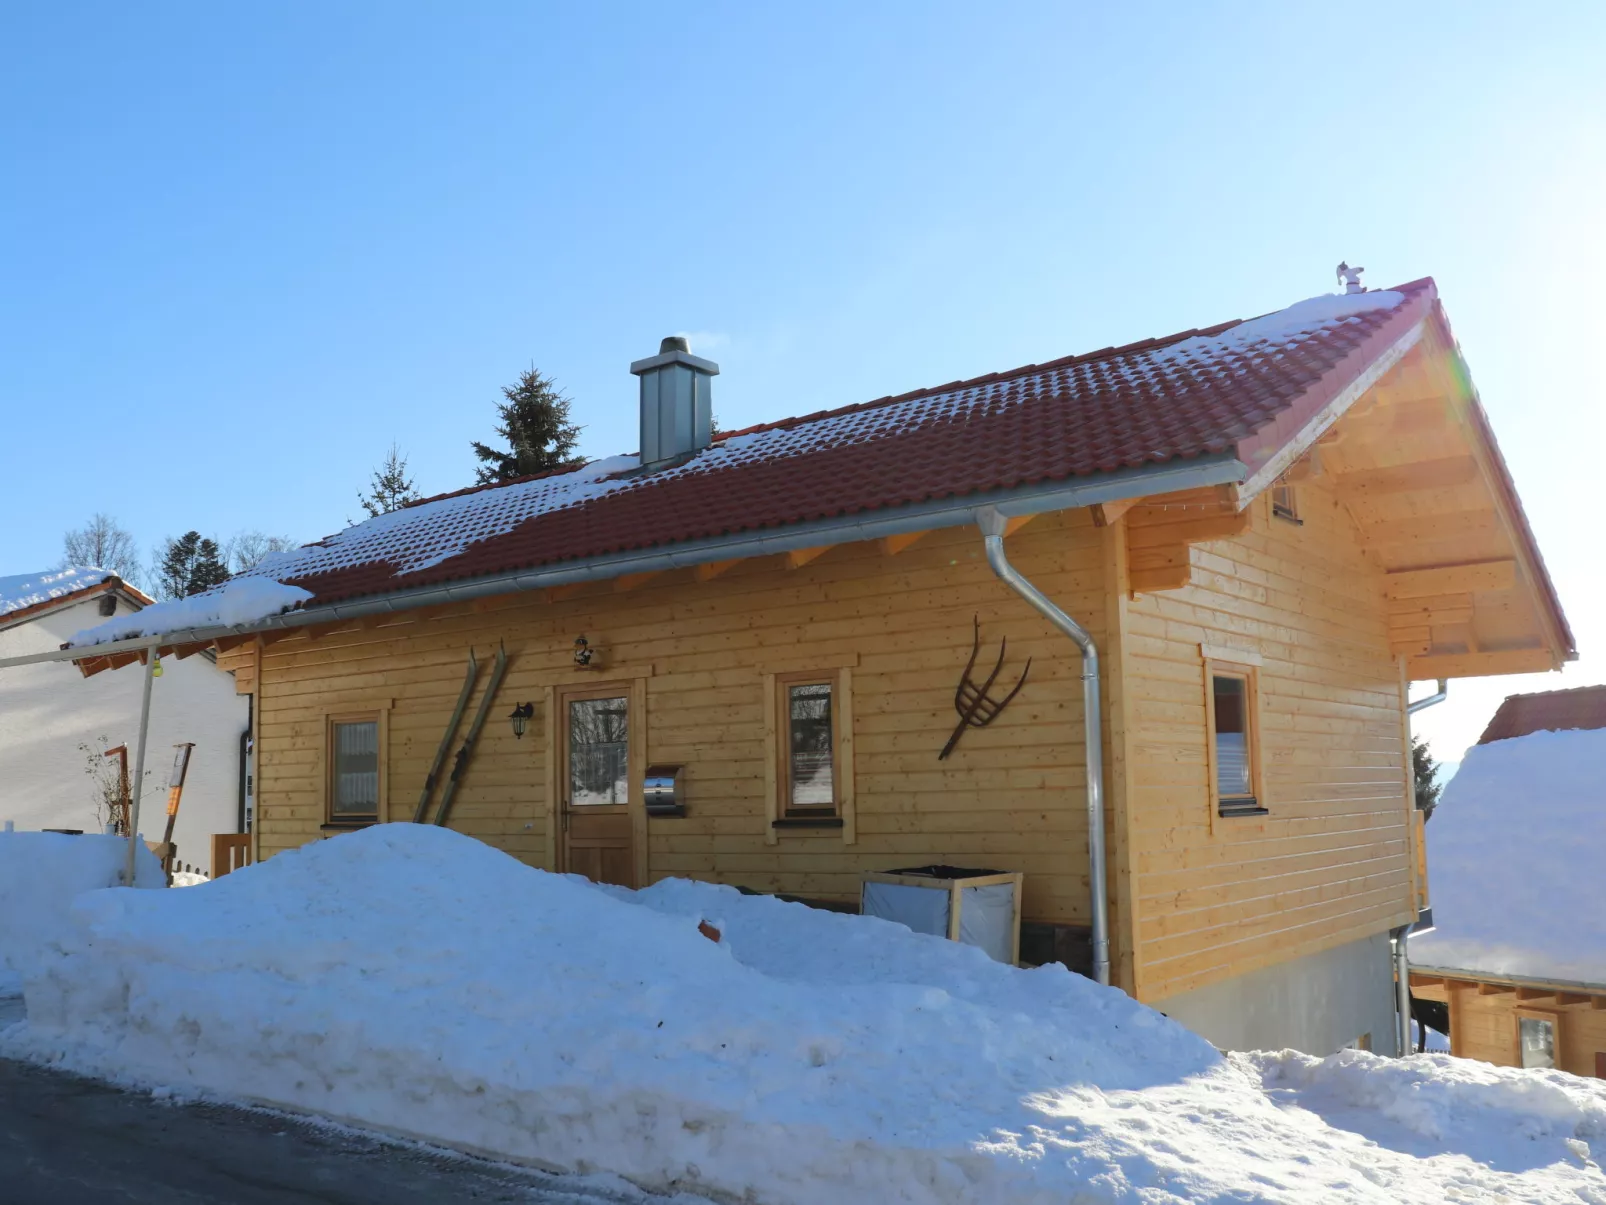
[[28, 590], [1240, 389], [238, 602], [1515, 856], [1547, 711]]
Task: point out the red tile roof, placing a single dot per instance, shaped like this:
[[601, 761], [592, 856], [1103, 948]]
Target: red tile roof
[[1547, 711], [1217, 391]]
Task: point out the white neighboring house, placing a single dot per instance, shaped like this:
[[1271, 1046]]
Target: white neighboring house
[[48, 711]]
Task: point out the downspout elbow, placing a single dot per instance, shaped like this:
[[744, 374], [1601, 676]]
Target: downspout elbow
[[1440, 696]]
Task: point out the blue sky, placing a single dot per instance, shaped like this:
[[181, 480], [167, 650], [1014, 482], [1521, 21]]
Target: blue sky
[[243, 248]]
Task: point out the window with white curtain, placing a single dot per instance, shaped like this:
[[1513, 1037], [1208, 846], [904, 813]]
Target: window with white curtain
[[354, 770]]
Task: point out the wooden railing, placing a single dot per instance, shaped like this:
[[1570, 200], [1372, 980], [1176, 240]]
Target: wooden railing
[[230, 851]]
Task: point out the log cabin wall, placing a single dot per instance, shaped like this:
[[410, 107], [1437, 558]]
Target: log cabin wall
[[897, 615], [1214, 897], [1484, 1020]]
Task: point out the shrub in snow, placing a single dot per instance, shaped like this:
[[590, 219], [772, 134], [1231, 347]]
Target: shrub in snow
[[40, 875], [417, 981]]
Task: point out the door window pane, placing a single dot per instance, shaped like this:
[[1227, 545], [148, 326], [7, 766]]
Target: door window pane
[[1538, 1042], [1232, 737], [809, 748], [356, 763], [599, 746]]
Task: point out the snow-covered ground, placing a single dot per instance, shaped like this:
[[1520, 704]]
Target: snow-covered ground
[[40, 876], [413, 980], [1514, 860]]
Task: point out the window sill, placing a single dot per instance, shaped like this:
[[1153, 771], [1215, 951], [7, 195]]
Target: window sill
[[807, 822], [347, 826], [1241, 807]]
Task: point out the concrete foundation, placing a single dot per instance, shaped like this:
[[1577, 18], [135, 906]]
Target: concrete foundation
[[1317, 1004]]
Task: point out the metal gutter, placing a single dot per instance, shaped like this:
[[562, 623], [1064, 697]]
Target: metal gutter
[[1422, 704], [1016, 502], [993, 524]]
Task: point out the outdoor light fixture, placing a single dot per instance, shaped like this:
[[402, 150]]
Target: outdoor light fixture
[[521, 716], [583, 652]]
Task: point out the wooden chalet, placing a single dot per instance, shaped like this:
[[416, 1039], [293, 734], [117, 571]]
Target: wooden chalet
[[1516, 975], [737, 658]]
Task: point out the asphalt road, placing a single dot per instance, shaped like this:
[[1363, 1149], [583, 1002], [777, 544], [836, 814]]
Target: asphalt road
[[66, 1140]]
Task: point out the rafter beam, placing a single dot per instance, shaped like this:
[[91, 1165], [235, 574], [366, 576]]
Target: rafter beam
[[1412, 478], [893, 545], [1478, 665], [1107, 514], [799, 557], [629, 581], [709, 570], [1451, 579]]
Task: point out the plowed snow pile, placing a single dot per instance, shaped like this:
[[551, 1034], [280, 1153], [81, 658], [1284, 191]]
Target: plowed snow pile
[[413, 980], [40, 876]]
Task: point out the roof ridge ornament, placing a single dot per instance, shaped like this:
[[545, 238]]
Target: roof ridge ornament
[[1350, 278]]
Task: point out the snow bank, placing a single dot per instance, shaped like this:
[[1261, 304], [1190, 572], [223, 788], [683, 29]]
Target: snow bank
[[238, 601], [40, 874], [413, 980], [1514, 860], [30, 589], [1421, 1104]]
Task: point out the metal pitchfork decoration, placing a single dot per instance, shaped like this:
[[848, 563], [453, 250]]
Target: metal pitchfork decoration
[[975, 709]]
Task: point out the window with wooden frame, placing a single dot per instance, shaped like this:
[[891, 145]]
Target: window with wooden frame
[[810, 737], [355, 759], [1232, 707], [1536, 1037], [1285, 503]]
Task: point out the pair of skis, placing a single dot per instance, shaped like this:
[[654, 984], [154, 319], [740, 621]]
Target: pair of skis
[[466, 749]]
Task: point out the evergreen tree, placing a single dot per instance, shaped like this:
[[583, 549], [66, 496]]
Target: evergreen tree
[[188, 565], [1424, 770], [210, 569], [535, 423], [392, 488]]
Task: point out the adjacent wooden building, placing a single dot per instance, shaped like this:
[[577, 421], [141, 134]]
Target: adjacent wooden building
[[1515, 971], [1266, 530]]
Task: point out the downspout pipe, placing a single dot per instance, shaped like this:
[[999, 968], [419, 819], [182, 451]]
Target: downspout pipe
[[992, 525], [1402, 960], [1402, 988], [1440, 696]]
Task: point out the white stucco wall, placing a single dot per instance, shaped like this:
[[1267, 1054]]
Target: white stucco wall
[[48, 710]]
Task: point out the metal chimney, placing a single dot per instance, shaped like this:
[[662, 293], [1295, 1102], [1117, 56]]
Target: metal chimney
[[677, 412]]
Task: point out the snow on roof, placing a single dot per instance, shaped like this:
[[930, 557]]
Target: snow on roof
[[1302, 318], [1147, 404], [236, 603], [30, 589], [1514, 861]]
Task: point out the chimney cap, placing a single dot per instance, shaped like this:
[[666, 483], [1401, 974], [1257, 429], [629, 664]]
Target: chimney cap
[[675, 349]]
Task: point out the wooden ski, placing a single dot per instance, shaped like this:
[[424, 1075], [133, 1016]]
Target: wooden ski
[[446, 741], [460, 763]]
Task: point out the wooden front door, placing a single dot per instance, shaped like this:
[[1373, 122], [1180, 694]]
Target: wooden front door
[[594, 784]]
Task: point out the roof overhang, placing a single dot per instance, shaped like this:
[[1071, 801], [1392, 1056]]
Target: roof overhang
[[1017, 502]]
